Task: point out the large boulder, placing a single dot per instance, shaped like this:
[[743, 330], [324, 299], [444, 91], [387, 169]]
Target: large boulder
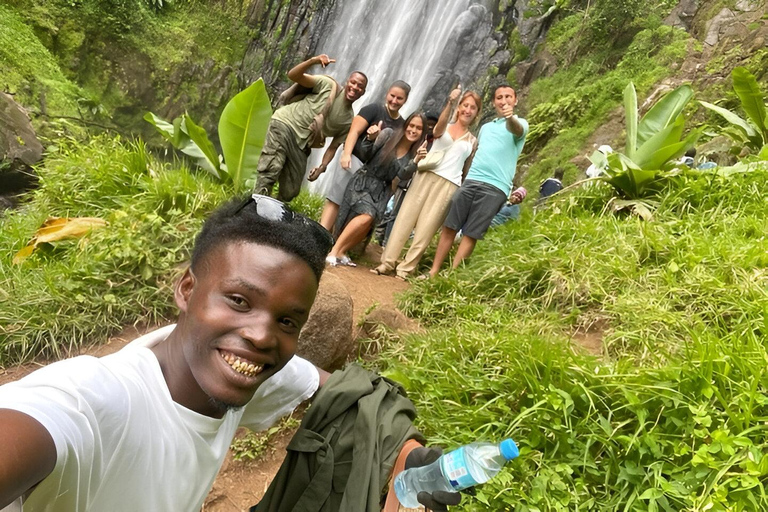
[[19, 147], [326, 339]]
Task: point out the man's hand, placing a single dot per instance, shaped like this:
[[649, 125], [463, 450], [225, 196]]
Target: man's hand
[[374, 130], [345, 161], [420, 153], [316, 172], [323, 60], [437, 501], [507, 111]]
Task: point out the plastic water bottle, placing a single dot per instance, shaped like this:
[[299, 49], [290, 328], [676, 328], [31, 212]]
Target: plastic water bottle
[[464, 467]]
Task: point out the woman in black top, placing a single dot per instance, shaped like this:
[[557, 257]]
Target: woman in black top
[[390, 155], [373, 116]]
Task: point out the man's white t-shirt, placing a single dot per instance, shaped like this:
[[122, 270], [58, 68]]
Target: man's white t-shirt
[[123, 444]]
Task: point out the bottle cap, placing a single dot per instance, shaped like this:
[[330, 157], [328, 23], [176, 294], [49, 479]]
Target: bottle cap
[[509, 449]]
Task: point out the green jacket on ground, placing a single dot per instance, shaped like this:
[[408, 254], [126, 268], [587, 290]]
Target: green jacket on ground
[[342, 455]]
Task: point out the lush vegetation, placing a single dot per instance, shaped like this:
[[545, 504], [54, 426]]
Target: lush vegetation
[[106, 62], [625, 354], [80, 291], [669, 414]]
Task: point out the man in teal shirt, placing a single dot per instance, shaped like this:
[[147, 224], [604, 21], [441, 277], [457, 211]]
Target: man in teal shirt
[[488, 182]]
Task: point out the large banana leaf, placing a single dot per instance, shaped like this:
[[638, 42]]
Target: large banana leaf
[[172, 132], [204, 152], [663, 113], [646, 157], [751, 97], [242, 130], [177, 134], [630, 109], [732, 118]]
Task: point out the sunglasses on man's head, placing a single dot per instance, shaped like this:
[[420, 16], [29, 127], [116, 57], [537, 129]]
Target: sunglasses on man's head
[[272, 209]]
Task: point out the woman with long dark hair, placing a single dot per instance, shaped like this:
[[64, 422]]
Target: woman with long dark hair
[[426, 205], [375, 116], [391, 155]]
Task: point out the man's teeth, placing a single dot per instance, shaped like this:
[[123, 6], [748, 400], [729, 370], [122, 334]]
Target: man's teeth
[[242, 366]]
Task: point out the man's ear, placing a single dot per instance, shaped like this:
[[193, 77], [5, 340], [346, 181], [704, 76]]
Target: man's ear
[[184, 288]]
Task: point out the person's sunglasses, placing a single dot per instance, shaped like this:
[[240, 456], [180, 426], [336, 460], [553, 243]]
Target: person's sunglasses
[[272, 209]]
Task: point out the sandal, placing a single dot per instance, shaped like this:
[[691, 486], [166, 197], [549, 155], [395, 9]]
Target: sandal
[[330, 260], [344, 260], [379, 272]]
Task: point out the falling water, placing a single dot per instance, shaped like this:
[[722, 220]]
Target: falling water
[[388, 40]]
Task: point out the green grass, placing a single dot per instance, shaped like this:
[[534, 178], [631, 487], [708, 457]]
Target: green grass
[[567, 107], [75, 292], [30, 71], [671, 415]]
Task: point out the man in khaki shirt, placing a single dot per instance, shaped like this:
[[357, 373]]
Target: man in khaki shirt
[[289, 137]]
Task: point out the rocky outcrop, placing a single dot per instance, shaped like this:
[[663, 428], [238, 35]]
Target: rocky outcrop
[[326, 339], [19, 150]]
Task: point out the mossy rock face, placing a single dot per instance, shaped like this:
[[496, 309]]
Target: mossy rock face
[[19, 147]]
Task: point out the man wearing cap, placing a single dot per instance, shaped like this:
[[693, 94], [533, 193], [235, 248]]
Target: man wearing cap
[[489, 181], [511, 209]]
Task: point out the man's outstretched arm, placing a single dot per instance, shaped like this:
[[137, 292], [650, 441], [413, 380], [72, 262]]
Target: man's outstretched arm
[[27, 454], [299, 74], [513, 125]]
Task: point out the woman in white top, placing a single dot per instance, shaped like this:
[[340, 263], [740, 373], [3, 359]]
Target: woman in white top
[[429, 197]]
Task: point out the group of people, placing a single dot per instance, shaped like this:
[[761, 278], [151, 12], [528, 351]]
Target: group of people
[[462, 185], [147, 428]]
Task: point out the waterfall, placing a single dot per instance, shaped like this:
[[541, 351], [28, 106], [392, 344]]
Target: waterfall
[[390, 40]]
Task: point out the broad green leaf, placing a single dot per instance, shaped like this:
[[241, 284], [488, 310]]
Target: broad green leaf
[[197, 135], [663, 113], [763, 155], [630, 110], [664, 137], [732, 118], [242, 129], [751, 97], [165, 128], [664, 154]]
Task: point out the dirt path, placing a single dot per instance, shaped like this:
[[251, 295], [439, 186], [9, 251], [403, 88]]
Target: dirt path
[[240, 484]]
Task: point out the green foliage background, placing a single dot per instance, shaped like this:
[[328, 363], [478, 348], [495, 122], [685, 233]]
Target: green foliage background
[[669, 413]]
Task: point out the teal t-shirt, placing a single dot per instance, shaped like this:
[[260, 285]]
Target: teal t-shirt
[[498, 149]]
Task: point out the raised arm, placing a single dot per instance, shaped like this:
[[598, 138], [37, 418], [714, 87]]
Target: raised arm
[[299, 74], [513, 125], [445, 115], [27, 455]]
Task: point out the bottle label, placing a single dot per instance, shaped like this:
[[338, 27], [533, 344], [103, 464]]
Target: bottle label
[[454, 466]]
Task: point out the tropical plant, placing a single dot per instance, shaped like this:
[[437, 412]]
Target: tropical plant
[[651, 144], [752, 132], [242, 130]]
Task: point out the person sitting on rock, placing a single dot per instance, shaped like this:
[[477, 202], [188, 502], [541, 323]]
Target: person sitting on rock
[[295, 128]]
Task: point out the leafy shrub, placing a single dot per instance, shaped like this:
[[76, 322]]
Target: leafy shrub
[[668, 415]]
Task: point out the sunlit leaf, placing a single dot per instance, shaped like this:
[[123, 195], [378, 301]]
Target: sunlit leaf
[[242, 130], [59, 228]]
